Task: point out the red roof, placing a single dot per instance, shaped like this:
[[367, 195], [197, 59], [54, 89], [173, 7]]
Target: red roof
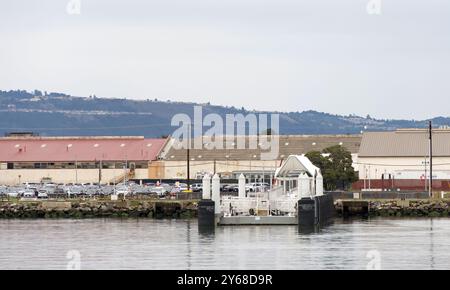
[[60, 149]]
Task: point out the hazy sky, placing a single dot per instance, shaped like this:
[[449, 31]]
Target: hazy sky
[[286, 55]]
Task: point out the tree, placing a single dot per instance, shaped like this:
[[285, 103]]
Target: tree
[[318, 160], [335, 163]]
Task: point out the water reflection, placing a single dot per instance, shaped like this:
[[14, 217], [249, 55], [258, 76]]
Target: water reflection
[[179, 244], [431, 245], [314, 229], [206, 231]]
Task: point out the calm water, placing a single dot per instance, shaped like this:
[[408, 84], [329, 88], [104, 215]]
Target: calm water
[[166, 244]]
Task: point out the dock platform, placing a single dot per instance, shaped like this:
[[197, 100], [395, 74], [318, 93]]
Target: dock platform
[[258, 220]]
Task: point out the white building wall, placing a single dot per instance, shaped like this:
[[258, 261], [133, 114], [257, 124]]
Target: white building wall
[[402, 167], [177, 169]]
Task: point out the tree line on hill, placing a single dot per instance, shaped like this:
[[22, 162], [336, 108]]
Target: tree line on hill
[[58, 114]]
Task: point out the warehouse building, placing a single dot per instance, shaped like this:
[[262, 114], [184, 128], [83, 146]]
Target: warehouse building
[[399, 160], [230, 161], [76, 159]]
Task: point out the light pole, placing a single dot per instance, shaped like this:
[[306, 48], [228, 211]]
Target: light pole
[[188, 169]]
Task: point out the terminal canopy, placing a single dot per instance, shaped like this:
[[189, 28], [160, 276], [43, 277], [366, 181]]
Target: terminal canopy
[[296, 165]]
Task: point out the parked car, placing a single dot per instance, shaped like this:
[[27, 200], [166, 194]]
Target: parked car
[[257, 187], [230, 188], [174, 190], [29, 193], [182, 186], [42, 194], [159, 190], [124, 190], [234, 188], [74, 190], [13, 193], [196, 187]]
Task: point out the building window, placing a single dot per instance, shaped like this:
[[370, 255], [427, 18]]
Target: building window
[[142, 164], [40, 165], [87, 165], [108, 165], [73, 165], [120, 165]]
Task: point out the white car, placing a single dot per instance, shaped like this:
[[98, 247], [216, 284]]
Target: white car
[[13, 194], [159, 190], [123, 190], [182, 186], [29, 194], [256, 187], [42, 194], [196, 187]]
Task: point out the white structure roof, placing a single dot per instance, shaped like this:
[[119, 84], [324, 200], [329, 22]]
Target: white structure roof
[[296, 165]]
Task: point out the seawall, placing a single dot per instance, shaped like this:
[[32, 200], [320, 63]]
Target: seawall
[[98, 209], [188, 208], [399, 208]]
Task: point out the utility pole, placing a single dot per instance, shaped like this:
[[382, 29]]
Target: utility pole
[[125, 170], [100, 172], [76, 169], [431, 158], [425, 178], [365, 179]]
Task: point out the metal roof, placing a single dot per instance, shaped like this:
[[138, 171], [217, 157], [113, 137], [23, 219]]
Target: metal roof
[[66, 149], [405, 143], [288, 145]]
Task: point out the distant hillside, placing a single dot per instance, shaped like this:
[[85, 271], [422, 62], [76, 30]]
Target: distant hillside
[[51, 114]]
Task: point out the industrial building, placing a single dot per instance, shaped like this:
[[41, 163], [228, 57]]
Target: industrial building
[[399, 160], [230, 161], [76, 159], [108, 159]]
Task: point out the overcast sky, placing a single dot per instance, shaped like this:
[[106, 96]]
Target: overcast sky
[[286, 55]]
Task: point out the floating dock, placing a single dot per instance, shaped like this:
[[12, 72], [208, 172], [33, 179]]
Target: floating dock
[[296, 199]]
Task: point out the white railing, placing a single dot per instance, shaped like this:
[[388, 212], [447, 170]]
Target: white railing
[[275, 193], [285, 205], [231, 205]]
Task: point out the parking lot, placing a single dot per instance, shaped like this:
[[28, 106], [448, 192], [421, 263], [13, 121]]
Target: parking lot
[[51, 190]]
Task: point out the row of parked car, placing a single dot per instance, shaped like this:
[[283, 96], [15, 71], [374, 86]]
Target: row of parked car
[[73, 190], [29, 190], [250, 187]]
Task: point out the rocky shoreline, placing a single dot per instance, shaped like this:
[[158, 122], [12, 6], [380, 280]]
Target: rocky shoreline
[[390, 208], [410, 208], [98, 209], [188, 209]]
